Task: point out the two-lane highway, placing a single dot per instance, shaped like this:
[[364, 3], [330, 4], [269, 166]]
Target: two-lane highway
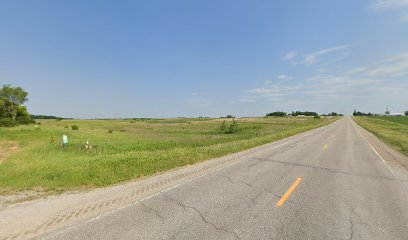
[[326, 185]]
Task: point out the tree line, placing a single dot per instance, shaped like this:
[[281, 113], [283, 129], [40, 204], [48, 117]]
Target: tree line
[[46, 117], [369, 114], [297, 113], [358, 113], [12, 111]]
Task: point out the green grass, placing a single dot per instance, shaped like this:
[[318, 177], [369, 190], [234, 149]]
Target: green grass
[[390, 129], [126, 149]]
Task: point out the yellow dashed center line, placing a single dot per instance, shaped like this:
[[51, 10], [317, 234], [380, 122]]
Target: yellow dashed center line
[[288, 193]]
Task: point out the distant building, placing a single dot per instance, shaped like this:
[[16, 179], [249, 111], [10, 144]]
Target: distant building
[[395, 114]]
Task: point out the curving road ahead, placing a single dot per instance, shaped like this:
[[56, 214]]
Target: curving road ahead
[[329, 184]]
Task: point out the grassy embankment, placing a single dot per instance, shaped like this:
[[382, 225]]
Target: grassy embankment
[[390, 129], [126, 149]]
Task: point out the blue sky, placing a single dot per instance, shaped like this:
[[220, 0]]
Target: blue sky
[[92, 59]]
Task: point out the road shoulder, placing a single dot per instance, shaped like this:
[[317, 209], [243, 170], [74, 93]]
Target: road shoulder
[[394, 160]]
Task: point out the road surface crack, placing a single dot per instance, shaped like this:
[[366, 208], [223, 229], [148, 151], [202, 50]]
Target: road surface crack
[[174, 235], [260, 189], [331, 170], [253, 164], [255, 197], [185, 206], [227, 177], [351, 229], [154, 211]]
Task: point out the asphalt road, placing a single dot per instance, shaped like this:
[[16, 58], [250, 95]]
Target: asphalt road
[[328, 185]]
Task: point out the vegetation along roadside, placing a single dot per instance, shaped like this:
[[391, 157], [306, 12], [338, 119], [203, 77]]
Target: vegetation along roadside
[[391, 129], [105, 152]]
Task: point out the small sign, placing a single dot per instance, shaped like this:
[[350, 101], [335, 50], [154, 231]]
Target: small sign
[[65, 139]]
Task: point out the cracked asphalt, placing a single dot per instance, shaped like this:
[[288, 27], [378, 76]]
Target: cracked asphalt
[[347, 192]]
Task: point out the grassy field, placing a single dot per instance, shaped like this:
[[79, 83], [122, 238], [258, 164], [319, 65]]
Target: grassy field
[[33, 159], [390, 129]]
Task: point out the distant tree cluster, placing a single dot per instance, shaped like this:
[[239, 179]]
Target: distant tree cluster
[[358, 113], [277, 114], [307, 113], [333, 114], [45, 117], [12, 111], [406, 113], [297, 113]]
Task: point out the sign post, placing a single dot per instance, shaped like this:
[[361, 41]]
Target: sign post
[[64, 140]]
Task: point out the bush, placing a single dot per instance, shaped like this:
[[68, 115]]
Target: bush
[[7, 122], [24, 120], [22, 117], [110, 131], [233, 127], [223, 127], [75, 127], [316, 117]]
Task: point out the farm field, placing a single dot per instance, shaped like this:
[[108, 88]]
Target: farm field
[[390, 129], [32, 157]]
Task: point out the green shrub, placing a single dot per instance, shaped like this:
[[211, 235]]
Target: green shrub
[[75, 127], [110, 131], [233, 128], [223, 127], [316, 117], [7, 122], [24, 120]]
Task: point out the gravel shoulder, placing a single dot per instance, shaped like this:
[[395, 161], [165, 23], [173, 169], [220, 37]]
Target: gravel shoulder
[[396, 161]]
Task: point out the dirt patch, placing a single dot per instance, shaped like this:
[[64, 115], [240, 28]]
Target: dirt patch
[[7, 148]]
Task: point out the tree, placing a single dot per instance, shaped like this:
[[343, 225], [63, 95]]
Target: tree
[[12, 112], [406, 113], [277, 114], [12, 98], [358, 113]]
